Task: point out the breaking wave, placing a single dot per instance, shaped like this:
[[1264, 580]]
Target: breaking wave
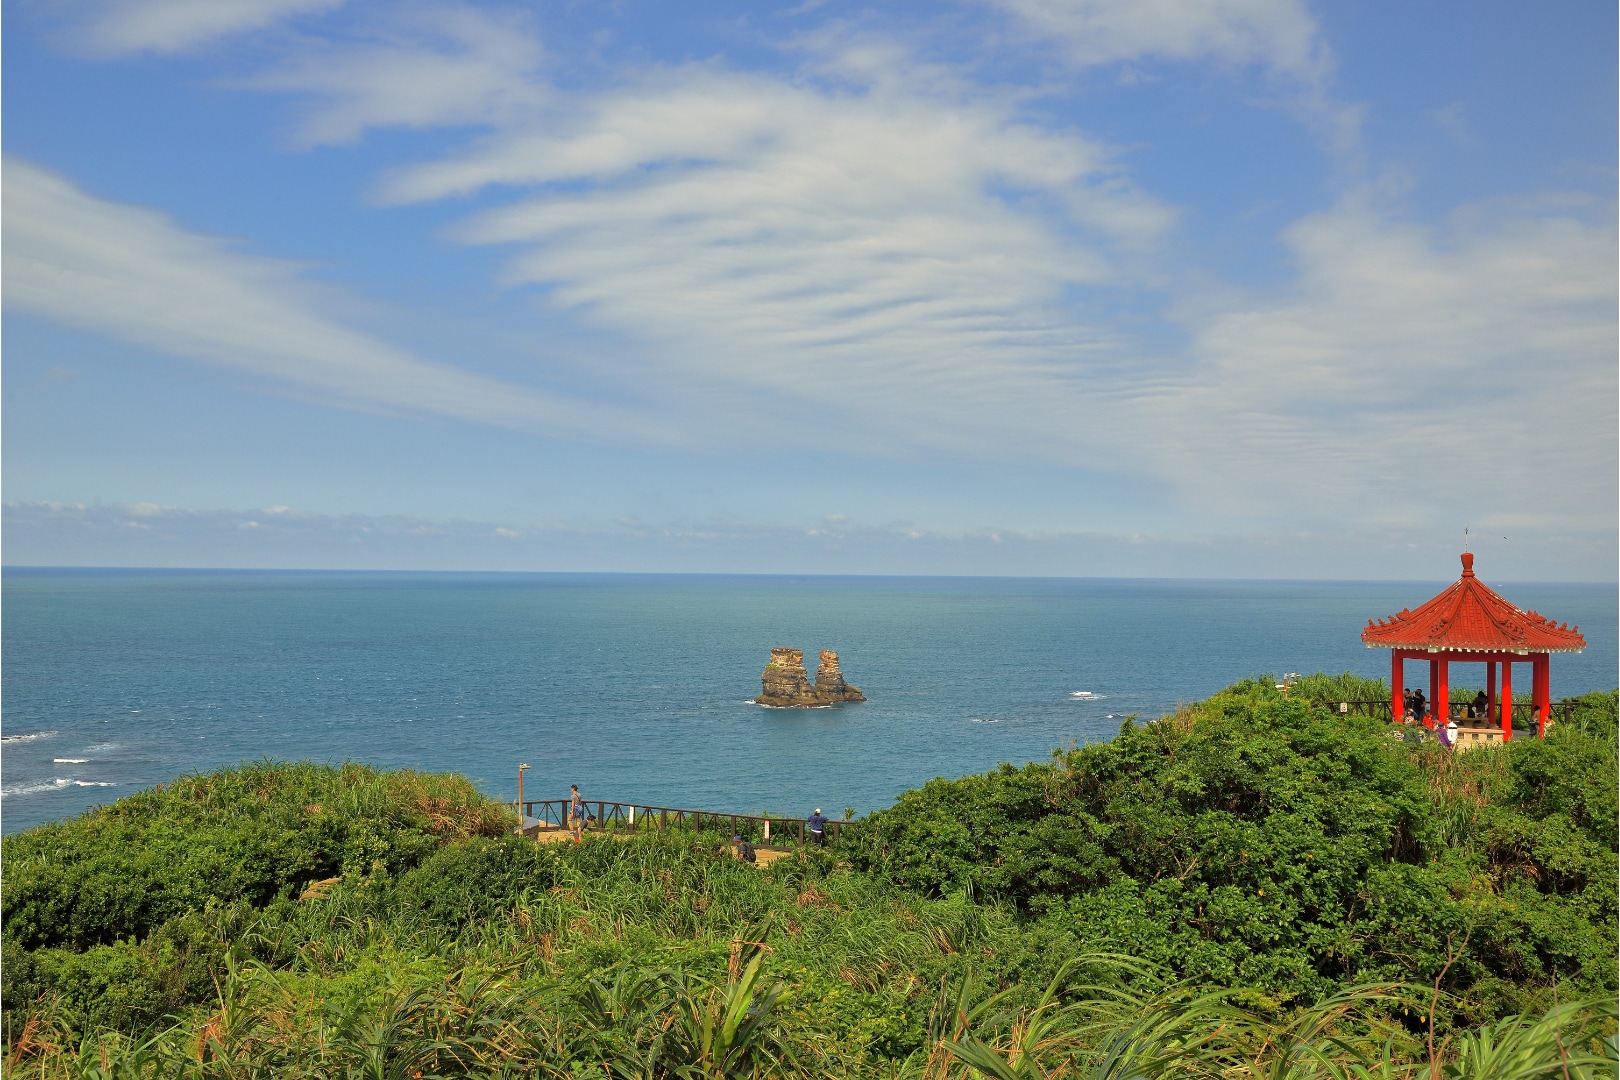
[[51, 785]]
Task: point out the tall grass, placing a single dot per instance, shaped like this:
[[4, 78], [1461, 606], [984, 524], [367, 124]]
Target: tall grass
[[656, 1023]]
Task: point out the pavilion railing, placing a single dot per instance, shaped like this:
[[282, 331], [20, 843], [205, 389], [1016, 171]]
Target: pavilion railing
[[607, 815], [1523, 711]]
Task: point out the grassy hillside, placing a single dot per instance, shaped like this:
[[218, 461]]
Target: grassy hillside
[[1253, 884]]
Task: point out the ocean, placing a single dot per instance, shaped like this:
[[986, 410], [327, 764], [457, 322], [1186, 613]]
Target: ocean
[[636, 687]]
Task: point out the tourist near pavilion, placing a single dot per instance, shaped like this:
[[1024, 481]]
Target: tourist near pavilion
[[1470, 623]]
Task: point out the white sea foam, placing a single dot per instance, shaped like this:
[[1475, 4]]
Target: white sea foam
[[102, 748], [56, 784], [70, 760], [1085, 695], [986, 720], [26, 738]]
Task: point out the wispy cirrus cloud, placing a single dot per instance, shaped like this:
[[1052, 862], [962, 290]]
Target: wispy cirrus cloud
[[1279, 37], [424, 68], [112, 27], [889, 250], [135, 275]]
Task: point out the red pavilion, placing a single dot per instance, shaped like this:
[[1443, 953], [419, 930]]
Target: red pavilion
[[1470, 623]]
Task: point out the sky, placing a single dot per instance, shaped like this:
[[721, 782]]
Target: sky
[[1157, 288]]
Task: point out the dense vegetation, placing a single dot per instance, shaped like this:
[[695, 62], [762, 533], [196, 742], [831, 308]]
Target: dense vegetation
[[1252, 886], [1257, 840]]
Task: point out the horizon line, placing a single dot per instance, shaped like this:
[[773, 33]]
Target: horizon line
[[6, 568]]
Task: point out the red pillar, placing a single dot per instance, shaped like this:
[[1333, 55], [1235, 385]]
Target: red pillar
[[1397, 708], [1507, 699], [1541, 674], [1442, 692], [1490, 688], [1434, 695]]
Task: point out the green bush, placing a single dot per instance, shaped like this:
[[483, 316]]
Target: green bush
[[1262, 840], [248, 834]]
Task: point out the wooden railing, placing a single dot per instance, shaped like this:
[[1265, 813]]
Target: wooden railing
[[616, 816], [1560, 711]]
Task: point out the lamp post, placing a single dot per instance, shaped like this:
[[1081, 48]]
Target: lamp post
[[521, 769]]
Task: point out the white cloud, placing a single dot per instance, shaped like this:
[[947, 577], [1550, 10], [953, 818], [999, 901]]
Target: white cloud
[[1277, 34], [172, 26], [1280, 37], [1416, 375], [134, 275], [888, 252], [447, 66]]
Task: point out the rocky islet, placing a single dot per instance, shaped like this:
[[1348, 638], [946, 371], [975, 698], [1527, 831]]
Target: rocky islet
[[786, 684]]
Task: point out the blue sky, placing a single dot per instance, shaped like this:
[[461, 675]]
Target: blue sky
[[1244, 288]]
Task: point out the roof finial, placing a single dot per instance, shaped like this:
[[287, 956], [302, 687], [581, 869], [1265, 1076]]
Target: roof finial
[[1468, 564]]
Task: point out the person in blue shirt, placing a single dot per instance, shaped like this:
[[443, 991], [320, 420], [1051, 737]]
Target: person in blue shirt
[[818, 828]]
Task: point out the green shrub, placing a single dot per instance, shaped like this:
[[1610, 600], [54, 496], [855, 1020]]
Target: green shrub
[[248, 834], [1260, 839]]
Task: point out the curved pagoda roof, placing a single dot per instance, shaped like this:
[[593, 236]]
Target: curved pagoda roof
[[1472, 617]]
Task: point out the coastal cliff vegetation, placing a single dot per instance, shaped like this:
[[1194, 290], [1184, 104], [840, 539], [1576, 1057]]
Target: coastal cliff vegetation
[[1252, 886]]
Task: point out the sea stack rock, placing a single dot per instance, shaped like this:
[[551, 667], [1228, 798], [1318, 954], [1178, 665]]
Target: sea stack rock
[[786, 684], [830, 684]]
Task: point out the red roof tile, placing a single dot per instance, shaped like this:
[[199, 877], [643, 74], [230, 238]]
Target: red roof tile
[[1471, 617]]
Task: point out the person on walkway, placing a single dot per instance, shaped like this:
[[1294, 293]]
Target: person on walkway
[[576, 812], [1480, 706], [1420, 706], [818, 829]]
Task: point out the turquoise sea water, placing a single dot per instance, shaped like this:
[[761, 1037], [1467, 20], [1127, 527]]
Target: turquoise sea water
[[636, 687]]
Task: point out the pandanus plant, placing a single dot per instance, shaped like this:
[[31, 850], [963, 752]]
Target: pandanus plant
[[1108, 1031]]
